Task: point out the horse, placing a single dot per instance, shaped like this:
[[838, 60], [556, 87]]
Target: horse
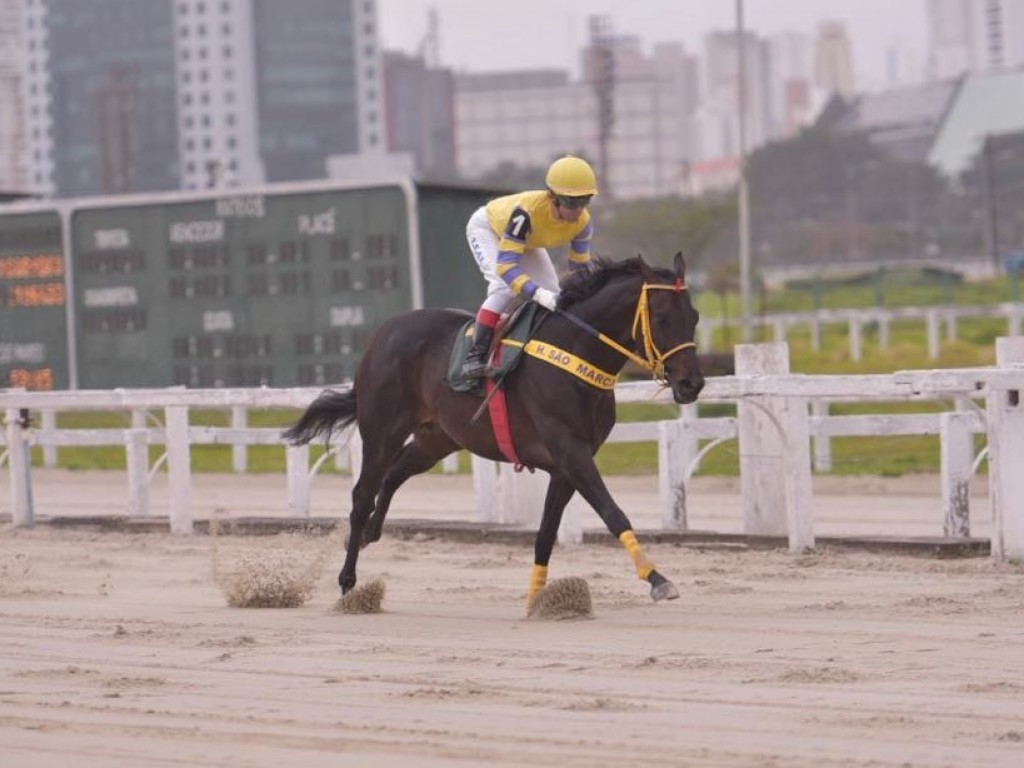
[[609, 313]]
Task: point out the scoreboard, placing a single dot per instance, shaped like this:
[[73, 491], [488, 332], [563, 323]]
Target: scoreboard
[[274, 286], [238, 291], [33, 302]]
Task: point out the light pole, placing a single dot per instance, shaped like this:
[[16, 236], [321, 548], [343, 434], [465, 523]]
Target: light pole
[[744, 192]]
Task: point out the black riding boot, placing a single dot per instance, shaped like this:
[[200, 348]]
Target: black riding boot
[[475, 366]]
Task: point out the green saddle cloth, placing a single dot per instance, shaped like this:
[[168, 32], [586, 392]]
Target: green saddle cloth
[[519, 326]]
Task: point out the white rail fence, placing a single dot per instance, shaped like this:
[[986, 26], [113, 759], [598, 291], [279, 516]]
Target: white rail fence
[[935, 319], [781, 424]]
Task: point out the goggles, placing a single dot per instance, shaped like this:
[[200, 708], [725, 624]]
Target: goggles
[[565, 201]]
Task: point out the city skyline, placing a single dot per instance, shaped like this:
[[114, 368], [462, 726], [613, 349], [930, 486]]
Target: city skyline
[[547, 36]]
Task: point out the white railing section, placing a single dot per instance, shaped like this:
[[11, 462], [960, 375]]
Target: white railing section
[[935, 318], [779, 416]]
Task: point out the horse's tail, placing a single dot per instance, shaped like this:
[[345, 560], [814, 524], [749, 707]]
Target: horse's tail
[[331, 410]]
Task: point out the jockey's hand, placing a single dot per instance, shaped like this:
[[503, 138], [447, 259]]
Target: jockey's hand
[[547, 299]]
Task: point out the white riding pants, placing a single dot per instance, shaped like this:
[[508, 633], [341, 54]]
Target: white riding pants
[[484, 244]]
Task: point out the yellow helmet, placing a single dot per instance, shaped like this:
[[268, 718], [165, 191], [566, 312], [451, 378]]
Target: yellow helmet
[[572, 177]]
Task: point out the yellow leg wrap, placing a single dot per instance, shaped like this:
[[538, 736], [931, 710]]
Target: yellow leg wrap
[[538, 580], [643, 564]]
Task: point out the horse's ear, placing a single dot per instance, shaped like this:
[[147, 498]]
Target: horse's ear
[[679, 264]]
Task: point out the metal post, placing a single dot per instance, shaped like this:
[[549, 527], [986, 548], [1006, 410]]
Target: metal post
[[744, 192], [991, 212]]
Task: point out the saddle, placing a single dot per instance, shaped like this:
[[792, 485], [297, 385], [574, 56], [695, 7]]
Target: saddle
[[503, 357]]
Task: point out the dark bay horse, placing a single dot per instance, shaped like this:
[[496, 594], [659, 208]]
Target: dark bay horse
[[607, 314]]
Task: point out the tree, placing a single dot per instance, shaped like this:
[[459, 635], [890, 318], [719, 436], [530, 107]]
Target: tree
[[658, 228]]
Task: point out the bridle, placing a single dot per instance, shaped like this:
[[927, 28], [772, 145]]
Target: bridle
[[653, 359]]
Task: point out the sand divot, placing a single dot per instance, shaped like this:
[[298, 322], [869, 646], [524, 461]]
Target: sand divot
[[363, 598], [269, 579], [565, 598]]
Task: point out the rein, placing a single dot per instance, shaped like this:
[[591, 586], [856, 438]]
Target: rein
[[654, 359]]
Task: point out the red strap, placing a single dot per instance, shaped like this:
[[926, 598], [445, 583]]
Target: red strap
[[498, 408]]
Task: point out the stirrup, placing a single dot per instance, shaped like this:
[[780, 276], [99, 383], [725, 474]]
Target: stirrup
[[474, 369]]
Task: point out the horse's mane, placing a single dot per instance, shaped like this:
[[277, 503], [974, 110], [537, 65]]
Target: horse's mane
[[584, 283]]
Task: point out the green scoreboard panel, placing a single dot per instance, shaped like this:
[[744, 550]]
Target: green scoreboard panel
[[241, 290], [33, 299]]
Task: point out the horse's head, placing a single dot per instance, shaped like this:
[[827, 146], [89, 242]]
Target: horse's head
[[667, 325]]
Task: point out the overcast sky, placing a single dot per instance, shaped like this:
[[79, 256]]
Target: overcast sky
[[479, 36]]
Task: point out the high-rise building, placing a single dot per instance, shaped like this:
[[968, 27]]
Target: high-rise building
[[318, 78], [419, 101], [216, 115], [950, 38], [101, 106], [13, 169], [527, 119], [718, 116], [834, 59], [130, 96], [792, 94], [974, 36], [1000, 33]]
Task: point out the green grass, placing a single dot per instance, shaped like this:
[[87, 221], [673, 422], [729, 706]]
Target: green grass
[[877, 455]]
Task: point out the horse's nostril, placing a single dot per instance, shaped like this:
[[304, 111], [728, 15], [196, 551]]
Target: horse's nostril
[[693, 384]]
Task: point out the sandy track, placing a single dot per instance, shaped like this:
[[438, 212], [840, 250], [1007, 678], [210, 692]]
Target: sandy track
[[118, 650]]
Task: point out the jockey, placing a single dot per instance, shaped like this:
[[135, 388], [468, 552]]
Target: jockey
[[509, 238]]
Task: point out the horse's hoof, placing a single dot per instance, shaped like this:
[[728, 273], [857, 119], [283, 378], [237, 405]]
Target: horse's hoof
[[662, 588], [664, 591], [346, 584]]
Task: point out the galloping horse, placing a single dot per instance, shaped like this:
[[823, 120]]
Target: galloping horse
[[607, 314]]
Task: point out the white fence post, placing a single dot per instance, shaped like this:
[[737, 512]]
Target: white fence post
[[48, 426], [520, 496], [239, 453], [22, 512], [951, 326], [759, 443], [822, 443], [775, 464], [957, 459], [136, 443], [856, 340], [933, 334], [1005, 413], [816, 333], [296, 460], [674, 455], [179, 468], [796, 447], [884, 336], [1013, 321], [485, 489]]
